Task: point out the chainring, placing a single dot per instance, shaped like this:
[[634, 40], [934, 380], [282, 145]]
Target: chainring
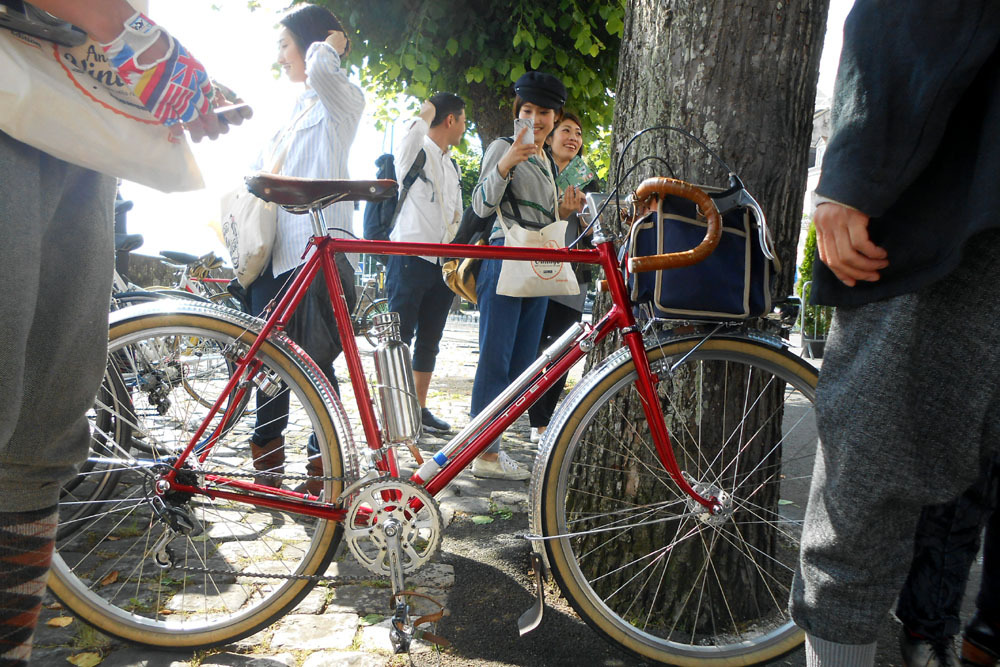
[[390, 502]]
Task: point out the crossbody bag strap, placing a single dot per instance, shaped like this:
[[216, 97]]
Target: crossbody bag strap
[[283, 141], [416, 169]]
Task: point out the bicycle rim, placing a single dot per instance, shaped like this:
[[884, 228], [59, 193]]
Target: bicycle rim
[[104, 568], [639, 561], [375, 308]]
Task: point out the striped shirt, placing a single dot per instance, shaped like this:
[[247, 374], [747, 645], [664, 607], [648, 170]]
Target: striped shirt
[[318, 147]]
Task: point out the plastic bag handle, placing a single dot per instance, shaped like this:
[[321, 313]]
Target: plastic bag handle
[[657, 188]]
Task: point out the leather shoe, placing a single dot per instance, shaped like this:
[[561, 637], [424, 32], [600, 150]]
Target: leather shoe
[[432, 423], [981, 645], [922, 652]]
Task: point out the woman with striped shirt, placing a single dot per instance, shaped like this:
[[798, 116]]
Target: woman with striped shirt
[[313, 144]]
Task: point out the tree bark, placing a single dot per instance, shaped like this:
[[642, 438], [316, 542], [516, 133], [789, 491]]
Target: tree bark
[[741, 75], [493, 113]]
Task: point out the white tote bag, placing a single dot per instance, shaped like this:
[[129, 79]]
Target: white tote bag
[[71, 103], [249, 225], [535, 277]]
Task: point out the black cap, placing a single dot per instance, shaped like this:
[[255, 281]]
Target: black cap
[[541, 88]]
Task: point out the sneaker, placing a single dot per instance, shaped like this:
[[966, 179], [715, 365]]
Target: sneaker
[[918, 651], [536, 435], [503, 468], [432, 423]]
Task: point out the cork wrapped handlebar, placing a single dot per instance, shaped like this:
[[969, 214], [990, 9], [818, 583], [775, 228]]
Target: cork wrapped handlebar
[[656, 188]]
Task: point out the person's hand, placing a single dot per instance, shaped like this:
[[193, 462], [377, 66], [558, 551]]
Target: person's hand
[[338, 40], [571, 202], [844, 245], [428, 111], [516, 154], [168, 81]]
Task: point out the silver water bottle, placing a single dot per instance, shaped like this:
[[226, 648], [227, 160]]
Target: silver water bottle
[[397, 393]]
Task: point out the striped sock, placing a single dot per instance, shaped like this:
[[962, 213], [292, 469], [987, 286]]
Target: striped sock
[[26, 543]]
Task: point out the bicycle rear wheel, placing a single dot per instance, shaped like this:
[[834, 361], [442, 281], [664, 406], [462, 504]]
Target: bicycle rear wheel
[[640, 561], [248, 565]]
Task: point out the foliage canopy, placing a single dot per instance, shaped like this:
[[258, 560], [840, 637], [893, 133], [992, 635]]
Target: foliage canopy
[[478, 48]]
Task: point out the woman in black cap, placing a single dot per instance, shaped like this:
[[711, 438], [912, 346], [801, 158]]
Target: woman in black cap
[[518, 178], [314, 143]]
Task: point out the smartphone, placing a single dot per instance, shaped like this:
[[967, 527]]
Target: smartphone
[[529, 136], [233, 112]]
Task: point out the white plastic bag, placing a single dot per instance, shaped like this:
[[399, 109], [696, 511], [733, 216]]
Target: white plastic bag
[[249, 225], [71, 103]]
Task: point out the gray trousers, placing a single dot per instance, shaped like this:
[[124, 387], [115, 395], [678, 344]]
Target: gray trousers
[[907, 411], [56, 261]]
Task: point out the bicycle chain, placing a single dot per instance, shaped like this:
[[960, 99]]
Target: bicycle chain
[[318, 578]]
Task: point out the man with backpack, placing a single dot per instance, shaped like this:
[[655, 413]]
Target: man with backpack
[[429, 212]]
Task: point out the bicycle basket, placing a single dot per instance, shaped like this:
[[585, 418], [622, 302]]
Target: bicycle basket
[[733, 283]]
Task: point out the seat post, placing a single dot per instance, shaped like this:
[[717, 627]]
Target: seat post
[[319, 225]]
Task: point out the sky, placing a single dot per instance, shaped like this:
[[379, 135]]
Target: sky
[[238, 48]]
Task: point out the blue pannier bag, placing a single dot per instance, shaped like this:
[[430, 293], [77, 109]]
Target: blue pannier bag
[[733, 283]]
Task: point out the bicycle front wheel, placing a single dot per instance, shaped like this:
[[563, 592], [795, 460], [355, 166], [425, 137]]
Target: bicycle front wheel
[[188, 571], [638, 559]]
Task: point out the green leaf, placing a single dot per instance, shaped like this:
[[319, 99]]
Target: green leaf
[[594, 50], [517, 39], [482, 519], [528, 39], [615, 26], [536, 60], [373, 619], [542, 42], [409, 61], [516, 72], [562, 59], [422, 73], [547, 20], [452, 46]]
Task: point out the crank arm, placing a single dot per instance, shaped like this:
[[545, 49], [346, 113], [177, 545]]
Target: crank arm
[[532, 617]]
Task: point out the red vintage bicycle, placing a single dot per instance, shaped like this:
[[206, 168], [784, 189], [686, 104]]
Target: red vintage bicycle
[[666, 499]]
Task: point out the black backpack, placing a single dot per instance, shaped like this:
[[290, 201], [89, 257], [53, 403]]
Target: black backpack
[[380, 216]]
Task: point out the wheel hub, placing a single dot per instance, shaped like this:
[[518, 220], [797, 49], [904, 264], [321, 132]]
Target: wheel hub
[[722, 511]]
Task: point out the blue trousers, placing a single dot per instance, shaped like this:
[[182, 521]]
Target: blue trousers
[[509, 331], [419, 294]]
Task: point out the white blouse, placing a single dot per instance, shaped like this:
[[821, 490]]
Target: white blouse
[[318, 146]]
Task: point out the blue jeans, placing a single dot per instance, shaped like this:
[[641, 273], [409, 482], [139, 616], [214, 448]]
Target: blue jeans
[[421, 297], [509, 331]]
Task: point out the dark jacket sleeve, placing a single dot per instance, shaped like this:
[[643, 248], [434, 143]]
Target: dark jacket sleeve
[[903, 69]]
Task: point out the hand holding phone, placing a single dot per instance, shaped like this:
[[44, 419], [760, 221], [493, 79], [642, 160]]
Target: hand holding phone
[[527, 124]]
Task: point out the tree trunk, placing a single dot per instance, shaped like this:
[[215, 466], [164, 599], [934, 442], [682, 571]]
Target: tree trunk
[[741, 75], [493, 113]]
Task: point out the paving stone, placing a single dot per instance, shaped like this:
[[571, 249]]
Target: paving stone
[[515, 501], [251, 660], [362, 600], [470, 505], [304, 633], [135, 656], [345, 659], [314, 602]]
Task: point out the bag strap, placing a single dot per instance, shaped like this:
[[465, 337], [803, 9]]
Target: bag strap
[[416, 169], [279, 156]]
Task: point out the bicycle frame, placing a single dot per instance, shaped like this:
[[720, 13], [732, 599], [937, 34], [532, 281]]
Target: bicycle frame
[[493, 420]]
